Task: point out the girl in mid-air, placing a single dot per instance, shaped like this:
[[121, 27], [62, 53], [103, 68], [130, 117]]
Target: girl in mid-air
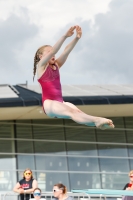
[[47, 67]]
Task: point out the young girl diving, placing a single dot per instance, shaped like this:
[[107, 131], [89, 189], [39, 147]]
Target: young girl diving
[[47, 67]]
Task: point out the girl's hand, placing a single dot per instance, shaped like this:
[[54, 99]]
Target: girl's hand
[[21, 190], [78, 31], [70, 32]]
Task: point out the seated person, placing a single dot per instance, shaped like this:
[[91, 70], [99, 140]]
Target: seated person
[[60, 192], [37, 194]]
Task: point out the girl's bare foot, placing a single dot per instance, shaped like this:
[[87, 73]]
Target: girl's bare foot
[[104, 123]]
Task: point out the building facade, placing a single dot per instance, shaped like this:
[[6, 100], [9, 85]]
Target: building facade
[[59, 150]]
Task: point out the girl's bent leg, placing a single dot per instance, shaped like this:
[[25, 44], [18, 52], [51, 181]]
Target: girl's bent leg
[[57, 109], [99, 122], [70, 111]]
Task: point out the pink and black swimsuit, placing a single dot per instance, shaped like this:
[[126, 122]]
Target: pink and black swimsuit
[[50, 84]]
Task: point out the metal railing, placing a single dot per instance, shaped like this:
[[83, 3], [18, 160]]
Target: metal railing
[[76, 196]]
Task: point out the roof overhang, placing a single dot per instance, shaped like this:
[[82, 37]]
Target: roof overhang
[[18, 102], [36, 112]]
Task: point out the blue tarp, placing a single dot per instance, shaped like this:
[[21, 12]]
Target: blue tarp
[[104, 192]]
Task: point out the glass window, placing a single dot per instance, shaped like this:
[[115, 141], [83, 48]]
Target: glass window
[[24, 146], [129, 132], [6, 131], [51, 129], [114, 181], [41, 179], [113, 135], [26, 161], [7, 180], [24, 131], [50, 179], [114, 165], [81, 149], [49, 147], [6, 146], [130, 151], [85, 180], [71, 163], [55, 163], [77, 132], [129, 126], [48, 129], [83, 164], [112, 150], [7, 162], [131, 163]]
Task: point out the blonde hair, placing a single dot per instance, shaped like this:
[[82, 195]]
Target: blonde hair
[[131, 172], [37, 59], [61, 186]]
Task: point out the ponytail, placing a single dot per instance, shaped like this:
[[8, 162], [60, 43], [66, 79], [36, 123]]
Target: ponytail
[[62, 187], [37, 59]]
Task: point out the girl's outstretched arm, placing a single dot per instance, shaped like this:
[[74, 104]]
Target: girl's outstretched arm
[[45, 58], [61, 60]]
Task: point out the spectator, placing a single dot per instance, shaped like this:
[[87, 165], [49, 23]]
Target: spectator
[[26, 186], [129, 186], [60, 192], [37, 194]]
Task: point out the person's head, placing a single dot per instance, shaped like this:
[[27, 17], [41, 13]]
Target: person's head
[[37, 193], [42, 51], [131, 175], [59, 189], [27, 174]]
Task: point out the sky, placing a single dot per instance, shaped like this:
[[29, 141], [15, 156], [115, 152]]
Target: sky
[[103, 55]]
